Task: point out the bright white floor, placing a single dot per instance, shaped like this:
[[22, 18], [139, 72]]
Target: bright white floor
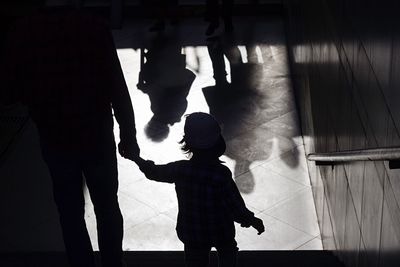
[[264, 146]]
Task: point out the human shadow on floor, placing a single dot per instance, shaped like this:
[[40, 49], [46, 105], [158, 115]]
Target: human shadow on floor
[[166, 80], [237, 106]]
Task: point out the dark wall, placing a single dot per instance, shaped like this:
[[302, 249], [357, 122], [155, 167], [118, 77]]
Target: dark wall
[[345, 61]]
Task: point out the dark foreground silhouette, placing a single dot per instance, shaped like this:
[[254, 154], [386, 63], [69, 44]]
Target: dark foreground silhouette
[[63, 65]]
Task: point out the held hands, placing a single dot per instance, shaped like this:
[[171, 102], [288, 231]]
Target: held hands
[[144, 165], [129, 150]]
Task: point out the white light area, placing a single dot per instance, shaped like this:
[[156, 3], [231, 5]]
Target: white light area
[[276, 50], [150, 208], [228, 69], [259, 55], [192, 60], [322, 51], [197, 61], [243, 53]]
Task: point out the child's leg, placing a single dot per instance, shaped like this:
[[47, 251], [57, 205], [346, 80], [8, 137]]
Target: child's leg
[[197, 256], [227, 255]]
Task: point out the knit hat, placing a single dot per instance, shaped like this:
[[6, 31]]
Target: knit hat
[[202, 131]]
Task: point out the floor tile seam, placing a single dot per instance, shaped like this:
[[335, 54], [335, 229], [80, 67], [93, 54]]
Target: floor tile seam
[[259, 163], [273, 162], [280, 116], [282, 152], [154, 207], [301, 146], [250, 128], [265, 161], [255, 165], [256, 125], [143, 203], [250, 235], [307, 242], [166, 213], [297, 147], [253, 209], [148, 219], [279, 133], [276, 75], [297, 228], [123, 181], [265, 125], [287, 199], [287, 178]]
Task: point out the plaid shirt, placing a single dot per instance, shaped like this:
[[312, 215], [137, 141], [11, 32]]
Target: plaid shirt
[[63, 65], [209, 201]]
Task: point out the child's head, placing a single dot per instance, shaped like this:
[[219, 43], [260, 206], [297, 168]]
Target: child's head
[[203, 136]]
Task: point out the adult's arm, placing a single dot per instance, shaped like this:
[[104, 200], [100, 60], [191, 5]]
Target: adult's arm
[[121, 104]]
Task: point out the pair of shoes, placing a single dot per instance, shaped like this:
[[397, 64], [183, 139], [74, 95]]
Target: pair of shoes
[[159, 26], [211, 28]]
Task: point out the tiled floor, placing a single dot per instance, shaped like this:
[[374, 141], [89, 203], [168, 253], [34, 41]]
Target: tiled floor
[[257, 111]]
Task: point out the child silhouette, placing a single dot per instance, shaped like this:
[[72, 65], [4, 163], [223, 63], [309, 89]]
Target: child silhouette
[[208, 199]]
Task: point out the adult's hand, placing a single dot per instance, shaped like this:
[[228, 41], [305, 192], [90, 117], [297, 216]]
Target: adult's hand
[[129, 149]]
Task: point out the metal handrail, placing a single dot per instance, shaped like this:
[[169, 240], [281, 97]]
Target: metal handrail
[[391, 154]]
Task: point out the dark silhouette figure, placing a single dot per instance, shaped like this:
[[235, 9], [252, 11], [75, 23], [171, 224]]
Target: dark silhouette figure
[[163, 9], [208, 199], [63, 65], [167, 81], [214, 12]]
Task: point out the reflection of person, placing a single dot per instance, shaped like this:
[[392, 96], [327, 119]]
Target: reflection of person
[[63, 65], [162, 10], [213, 14], [234, 103], [209, 201], [166, 80]]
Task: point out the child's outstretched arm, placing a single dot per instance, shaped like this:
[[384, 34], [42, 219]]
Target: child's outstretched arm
[[160, 173]]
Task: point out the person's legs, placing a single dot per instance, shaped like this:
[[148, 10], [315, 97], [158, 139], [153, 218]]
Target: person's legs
[[102, 181], [159, 8], [212, 15], [227, 9], [67, 180], [215, 50], [227, 254], [197, 256]]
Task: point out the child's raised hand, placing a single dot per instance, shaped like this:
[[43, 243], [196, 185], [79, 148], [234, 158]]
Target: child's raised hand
[[258, 225]]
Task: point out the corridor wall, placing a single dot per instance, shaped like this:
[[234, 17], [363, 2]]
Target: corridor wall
[[345, 63]]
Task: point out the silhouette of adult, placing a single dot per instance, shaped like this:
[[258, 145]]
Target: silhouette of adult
[[213, 13], [63, 65]]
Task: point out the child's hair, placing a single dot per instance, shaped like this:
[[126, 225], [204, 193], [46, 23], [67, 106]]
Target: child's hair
[[202, 137], [213, 152]]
